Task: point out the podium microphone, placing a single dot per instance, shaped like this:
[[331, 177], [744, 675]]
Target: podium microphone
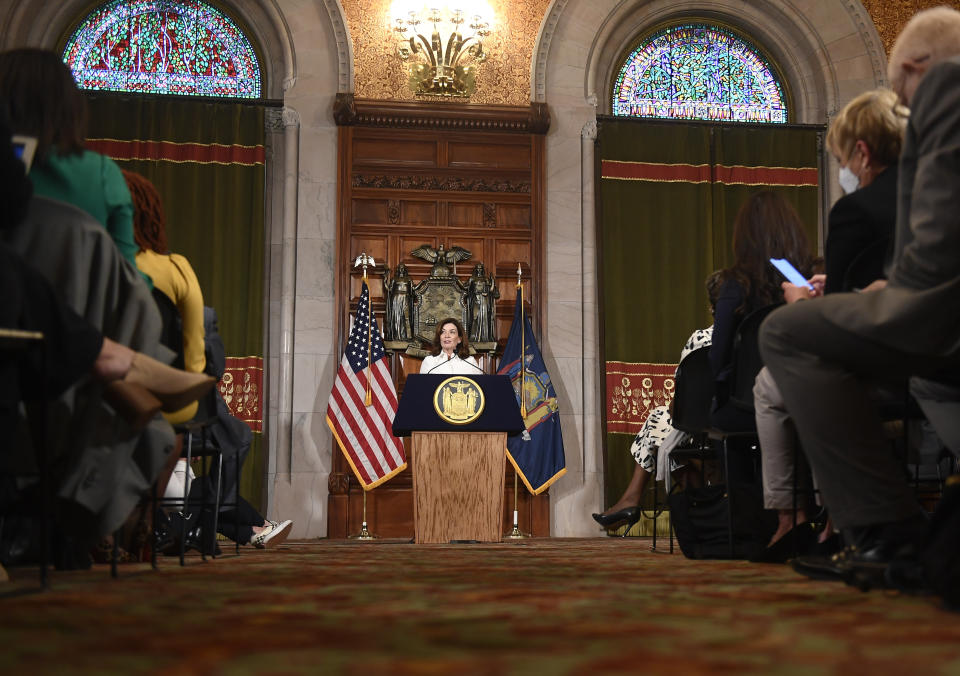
[[449, 359], [471, 364]]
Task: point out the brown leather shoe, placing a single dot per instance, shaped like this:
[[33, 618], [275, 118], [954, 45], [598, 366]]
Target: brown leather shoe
[[173, 387]]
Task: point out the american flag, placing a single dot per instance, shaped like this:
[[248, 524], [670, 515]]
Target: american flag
[[364, 433]]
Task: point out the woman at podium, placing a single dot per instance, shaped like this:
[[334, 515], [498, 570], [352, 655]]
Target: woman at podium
[[451, 351]]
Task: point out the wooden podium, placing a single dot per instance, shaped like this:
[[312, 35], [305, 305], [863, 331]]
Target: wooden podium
[[458, 468], [458, 486]]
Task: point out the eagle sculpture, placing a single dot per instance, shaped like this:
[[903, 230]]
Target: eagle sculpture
[[441, 259], [452, 257]]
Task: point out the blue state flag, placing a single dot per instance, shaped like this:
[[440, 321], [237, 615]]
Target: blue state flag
[[537, 454]]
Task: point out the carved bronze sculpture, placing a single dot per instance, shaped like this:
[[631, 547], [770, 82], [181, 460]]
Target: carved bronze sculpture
[[397, 297], [483, 293], [413, 310]]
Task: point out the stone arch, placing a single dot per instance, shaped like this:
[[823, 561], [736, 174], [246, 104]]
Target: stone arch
[[263, 20], [810, 42]]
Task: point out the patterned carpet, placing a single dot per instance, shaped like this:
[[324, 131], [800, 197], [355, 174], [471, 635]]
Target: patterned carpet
[[545, 606]]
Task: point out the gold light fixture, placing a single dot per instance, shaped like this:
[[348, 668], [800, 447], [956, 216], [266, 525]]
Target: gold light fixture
[[446, 63]]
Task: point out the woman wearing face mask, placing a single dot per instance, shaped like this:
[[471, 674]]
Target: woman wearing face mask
[[451, 352], [865, 138]]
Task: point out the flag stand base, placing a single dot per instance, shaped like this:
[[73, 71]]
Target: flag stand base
[[364, 534], [516, 534]]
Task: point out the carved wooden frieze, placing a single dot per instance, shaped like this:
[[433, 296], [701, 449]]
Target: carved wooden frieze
[[351, 111], [441, 183]]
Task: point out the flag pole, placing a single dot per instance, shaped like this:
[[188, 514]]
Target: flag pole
[[516, 533], [523, 349], [364, 534], [369, 400], [364, 260]]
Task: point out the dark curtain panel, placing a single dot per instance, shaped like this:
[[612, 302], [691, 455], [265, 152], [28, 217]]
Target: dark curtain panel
[[668, 194], [206, 160]]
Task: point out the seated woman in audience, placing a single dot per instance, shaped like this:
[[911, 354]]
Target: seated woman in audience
[[766, 226], [655, 430], [44, 102], [865, 138], [174, 277], [451, 351]]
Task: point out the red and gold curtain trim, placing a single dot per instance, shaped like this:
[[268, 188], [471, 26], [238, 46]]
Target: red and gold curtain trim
[[633, 391], [705, 173], [169, 151], [242, 389]]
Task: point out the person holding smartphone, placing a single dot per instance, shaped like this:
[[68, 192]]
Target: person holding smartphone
[[865, 138], [826, 355]]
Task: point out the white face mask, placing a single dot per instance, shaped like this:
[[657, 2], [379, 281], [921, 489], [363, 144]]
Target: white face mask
[[849, 181]]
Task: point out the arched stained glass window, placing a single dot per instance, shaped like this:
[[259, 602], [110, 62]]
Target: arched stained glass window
[[181, 47], [698, 72]]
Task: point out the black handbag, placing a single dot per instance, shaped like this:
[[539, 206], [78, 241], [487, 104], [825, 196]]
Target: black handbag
[[700, 518]]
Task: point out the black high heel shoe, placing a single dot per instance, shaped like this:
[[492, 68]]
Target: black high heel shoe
[[628, 515], [797, 541]]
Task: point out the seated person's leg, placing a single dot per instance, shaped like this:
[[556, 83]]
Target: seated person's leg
[[824, 374], [643, 449], [778, 447]]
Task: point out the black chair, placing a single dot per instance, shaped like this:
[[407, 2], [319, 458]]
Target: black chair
[[197, 429], [692, 399], [747, 361], [14, 342], [694, 392]]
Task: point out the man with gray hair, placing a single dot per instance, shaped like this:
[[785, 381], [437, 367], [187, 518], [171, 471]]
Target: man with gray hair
[[826, 353]]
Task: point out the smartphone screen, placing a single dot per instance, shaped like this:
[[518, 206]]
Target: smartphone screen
[[791, 273], [23, 148]]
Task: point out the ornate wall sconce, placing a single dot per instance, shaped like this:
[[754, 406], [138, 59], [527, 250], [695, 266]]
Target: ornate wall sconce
[[446, 63]]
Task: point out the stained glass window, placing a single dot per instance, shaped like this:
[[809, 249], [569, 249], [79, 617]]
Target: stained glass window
[[163, 47], [698, 72]]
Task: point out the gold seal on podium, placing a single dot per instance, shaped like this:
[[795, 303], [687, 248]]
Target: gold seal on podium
[[458, 400]]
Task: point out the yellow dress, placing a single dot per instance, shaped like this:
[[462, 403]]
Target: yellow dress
[[173, 275]]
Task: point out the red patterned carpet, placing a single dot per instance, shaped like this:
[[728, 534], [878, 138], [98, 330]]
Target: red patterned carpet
[[545, 606]]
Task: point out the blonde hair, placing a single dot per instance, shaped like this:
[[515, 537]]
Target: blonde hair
[[876, 118], [932, 34]]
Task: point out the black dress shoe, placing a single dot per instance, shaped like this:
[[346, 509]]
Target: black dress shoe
[[199, 540], [864, 566], [835, 567], [630, 514]]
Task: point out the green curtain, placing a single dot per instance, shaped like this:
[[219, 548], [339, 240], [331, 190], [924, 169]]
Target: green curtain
[[668, 193], [209, 172]]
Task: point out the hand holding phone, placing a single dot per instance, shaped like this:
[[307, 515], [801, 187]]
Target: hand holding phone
[[791, 273]]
